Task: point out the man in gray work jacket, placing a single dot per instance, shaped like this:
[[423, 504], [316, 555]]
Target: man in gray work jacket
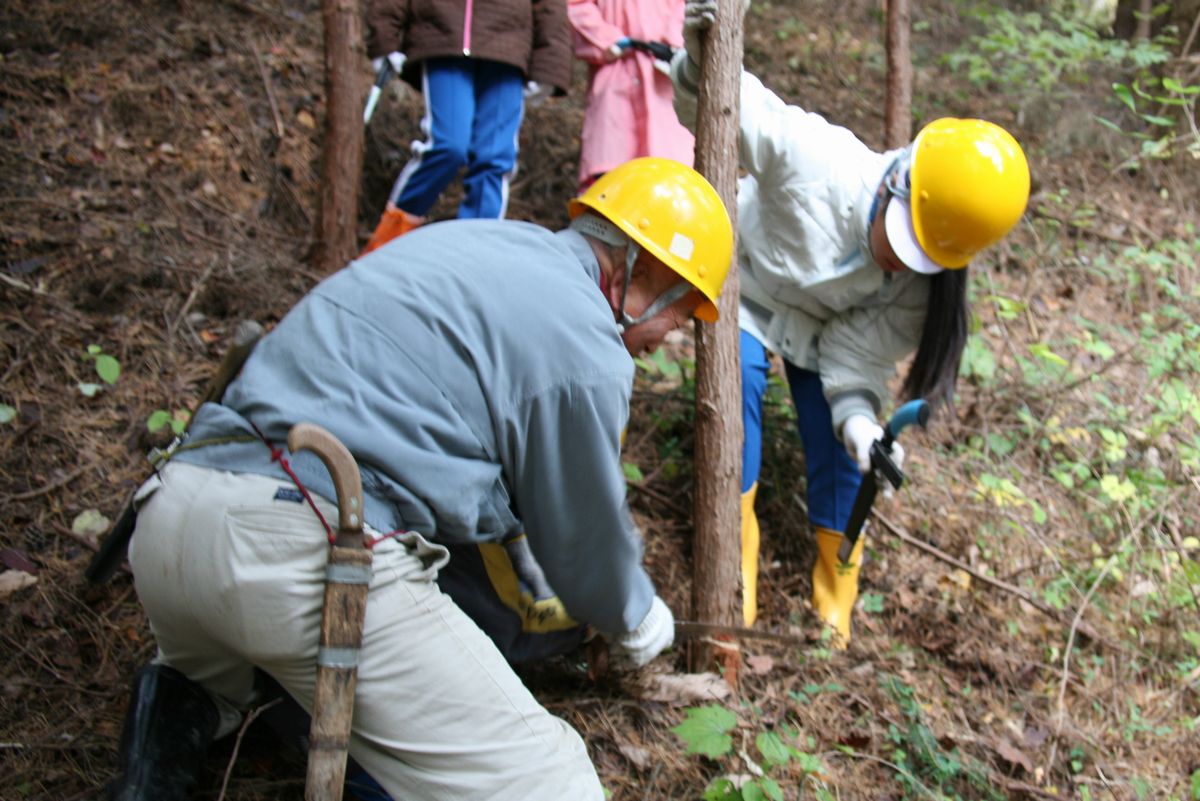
[[480, 374]]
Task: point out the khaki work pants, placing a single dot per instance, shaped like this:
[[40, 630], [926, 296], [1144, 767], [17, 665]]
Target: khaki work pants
[[230, 570]]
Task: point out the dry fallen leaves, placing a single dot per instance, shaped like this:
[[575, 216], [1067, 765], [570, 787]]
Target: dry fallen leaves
[[13, 580], [682, 688]]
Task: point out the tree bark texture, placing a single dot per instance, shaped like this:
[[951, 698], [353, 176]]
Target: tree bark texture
[[1144, 16], [342, 148], [897, 126], [717, 509]]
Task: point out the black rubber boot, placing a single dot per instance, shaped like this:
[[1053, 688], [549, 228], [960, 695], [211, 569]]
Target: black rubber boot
[[170, 723]]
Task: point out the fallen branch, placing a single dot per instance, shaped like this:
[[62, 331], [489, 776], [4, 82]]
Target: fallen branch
[[961, 565], [53, 485], [1000, 584], [83, 540]]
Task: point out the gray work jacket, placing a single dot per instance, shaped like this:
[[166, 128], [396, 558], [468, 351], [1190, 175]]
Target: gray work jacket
[[474, 370]]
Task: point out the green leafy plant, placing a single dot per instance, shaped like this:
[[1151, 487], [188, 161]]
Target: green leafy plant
[[1044, 55], [161, 418], [872, 602], [658, 363], [978, 361], [107, 368], [1157, 133], [809, 691], [708, 731], [924, 768]]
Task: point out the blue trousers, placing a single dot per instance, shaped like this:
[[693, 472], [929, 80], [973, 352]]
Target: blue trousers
[[833, 477], [473, 111]]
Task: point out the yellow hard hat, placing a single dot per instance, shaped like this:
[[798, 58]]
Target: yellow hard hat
[[969, 184], [671, 211]]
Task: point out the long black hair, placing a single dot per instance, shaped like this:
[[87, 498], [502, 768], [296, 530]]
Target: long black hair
[[935, 367]]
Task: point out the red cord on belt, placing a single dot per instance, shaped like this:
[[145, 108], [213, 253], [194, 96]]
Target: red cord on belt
[[277, 456]]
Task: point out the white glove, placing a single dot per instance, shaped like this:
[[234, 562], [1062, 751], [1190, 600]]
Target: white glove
[[613, 53], [536, 93], [395, 58], [655, 633], [858, 432], [698, 15]]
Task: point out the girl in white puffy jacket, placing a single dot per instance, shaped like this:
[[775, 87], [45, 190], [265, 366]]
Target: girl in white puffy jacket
[[850, 260]]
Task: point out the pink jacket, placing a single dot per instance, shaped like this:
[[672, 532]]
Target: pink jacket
[[629, 111]]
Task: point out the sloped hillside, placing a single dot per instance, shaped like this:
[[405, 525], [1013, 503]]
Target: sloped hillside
[[1028, 626]]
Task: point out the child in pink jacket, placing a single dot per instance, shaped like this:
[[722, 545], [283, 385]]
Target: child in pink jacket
[[629, 111]]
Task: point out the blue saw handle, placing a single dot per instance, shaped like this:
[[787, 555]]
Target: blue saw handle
[[916, 411], [882, 468]]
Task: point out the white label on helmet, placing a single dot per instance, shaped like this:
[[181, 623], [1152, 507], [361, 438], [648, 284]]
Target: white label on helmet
[[682, 246]]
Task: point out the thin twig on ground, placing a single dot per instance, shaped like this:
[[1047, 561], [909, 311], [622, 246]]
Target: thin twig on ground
[[42, 490], [238, 743], [1046, 609], [1066, 669], [266, 81]]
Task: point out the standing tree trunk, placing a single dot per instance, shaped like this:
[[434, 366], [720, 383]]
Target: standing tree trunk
[[897, 124], [342, 148], [1145, 14], [718, 458]]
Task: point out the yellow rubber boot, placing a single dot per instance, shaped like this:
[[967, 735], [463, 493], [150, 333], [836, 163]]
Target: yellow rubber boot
[[750, 539], [394, 223], [835, 584]]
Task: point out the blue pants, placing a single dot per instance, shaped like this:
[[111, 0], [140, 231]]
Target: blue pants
[[833, 477], [473, 111]]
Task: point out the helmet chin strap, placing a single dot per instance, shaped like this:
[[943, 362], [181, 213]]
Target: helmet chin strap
[[602, 229], [661, 302]]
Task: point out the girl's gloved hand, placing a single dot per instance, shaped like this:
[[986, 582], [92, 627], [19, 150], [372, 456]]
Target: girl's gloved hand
[[617, 50], [858, 433]]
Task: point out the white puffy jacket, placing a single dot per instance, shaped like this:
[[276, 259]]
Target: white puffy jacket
[[809, 288]]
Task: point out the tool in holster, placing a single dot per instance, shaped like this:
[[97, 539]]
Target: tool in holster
[[916, 411], [347, 579], [112, 550], [382, 77]]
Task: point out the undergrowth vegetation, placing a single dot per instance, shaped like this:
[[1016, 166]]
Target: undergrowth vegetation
[[1071, 461]]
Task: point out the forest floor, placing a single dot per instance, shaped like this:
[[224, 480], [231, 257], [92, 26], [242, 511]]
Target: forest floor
[[1028, 625]]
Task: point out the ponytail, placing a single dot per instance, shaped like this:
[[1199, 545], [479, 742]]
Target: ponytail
[[934, 369]]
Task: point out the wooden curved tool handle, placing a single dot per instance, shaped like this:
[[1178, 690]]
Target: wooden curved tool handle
[[347, 482]]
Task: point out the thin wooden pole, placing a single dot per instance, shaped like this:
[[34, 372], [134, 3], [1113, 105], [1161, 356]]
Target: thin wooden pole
[[717, 509], [342, 148], [897, 125]]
